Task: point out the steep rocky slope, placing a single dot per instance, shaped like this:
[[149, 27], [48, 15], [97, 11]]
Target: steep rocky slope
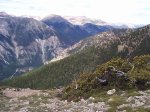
[[25, 43]]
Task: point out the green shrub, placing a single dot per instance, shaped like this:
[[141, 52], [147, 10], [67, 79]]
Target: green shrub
[[137, 75]]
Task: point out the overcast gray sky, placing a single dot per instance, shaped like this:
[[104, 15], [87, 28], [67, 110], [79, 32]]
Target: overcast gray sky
[[115, 11]]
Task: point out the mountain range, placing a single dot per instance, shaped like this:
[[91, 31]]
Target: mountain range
[[27, 43], [85, 56]]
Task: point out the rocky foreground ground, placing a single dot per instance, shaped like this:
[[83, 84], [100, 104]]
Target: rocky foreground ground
[[27, 100]]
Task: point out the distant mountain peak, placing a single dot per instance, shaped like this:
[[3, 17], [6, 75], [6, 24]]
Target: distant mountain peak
[[81, 20], [55, 19], [3, 14], [126, 25]]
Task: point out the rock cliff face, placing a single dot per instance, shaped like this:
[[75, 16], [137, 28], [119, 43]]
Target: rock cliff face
[[25, 43]]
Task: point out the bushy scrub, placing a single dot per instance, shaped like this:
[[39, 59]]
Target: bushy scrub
[[136, 75]]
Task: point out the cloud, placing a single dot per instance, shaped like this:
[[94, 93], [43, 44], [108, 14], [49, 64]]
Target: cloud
[[129, 11]]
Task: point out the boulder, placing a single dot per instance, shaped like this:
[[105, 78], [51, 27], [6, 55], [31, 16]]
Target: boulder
[[110, 92]]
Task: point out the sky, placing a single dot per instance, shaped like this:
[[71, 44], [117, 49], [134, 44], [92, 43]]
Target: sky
[[113, 11]]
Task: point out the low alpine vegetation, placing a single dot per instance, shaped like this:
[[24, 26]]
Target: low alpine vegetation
[[117, 73]]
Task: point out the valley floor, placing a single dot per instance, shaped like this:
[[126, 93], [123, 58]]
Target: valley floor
[[27, 100]]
